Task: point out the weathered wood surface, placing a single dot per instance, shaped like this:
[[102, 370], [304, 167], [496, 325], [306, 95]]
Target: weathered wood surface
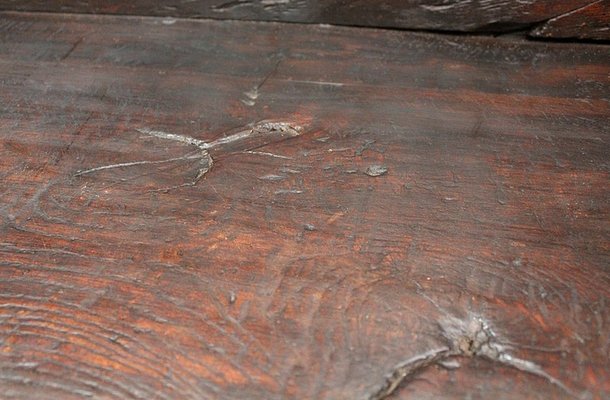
[[476, 265], [589, 22], [452, 15]]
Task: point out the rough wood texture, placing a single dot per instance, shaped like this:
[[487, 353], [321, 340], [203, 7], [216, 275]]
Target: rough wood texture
[[453, 15], [438, 228], [589, 22]]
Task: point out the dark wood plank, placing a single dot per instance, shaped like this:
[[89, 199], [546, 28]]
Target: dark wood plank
[[589, 22], [291, 270], [452, 15]]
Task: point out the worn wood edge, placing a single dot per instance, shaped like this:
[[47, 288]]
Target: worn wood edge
[[486, 38], [591, 22], [458, 17]]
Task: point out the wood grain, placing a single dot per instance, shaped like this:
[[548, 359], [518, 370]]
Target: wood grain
[[452, 15], [589, 22], [475, 266]]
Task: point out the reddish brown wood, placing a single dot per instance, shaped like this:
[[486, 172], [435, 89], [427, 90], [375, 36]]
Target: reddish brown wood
[[288, 271], [589, 22], [452, 15]]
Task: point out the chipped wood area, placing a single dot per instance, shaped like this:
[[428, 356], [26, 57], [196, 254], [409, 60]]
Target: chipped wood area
[[448, 15], [387, 214]]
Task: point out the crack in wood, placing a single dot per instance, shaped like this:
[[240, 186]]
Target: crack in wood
[[469, 337], [243, 141], [409, 368]]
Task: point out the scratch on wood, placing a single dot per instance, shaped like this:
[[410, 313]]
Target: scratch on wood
[[229, 5], [253, 93], [272, 177], [444, 7], [321, 83], [72, 48], [288, 191], [263, 153]]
